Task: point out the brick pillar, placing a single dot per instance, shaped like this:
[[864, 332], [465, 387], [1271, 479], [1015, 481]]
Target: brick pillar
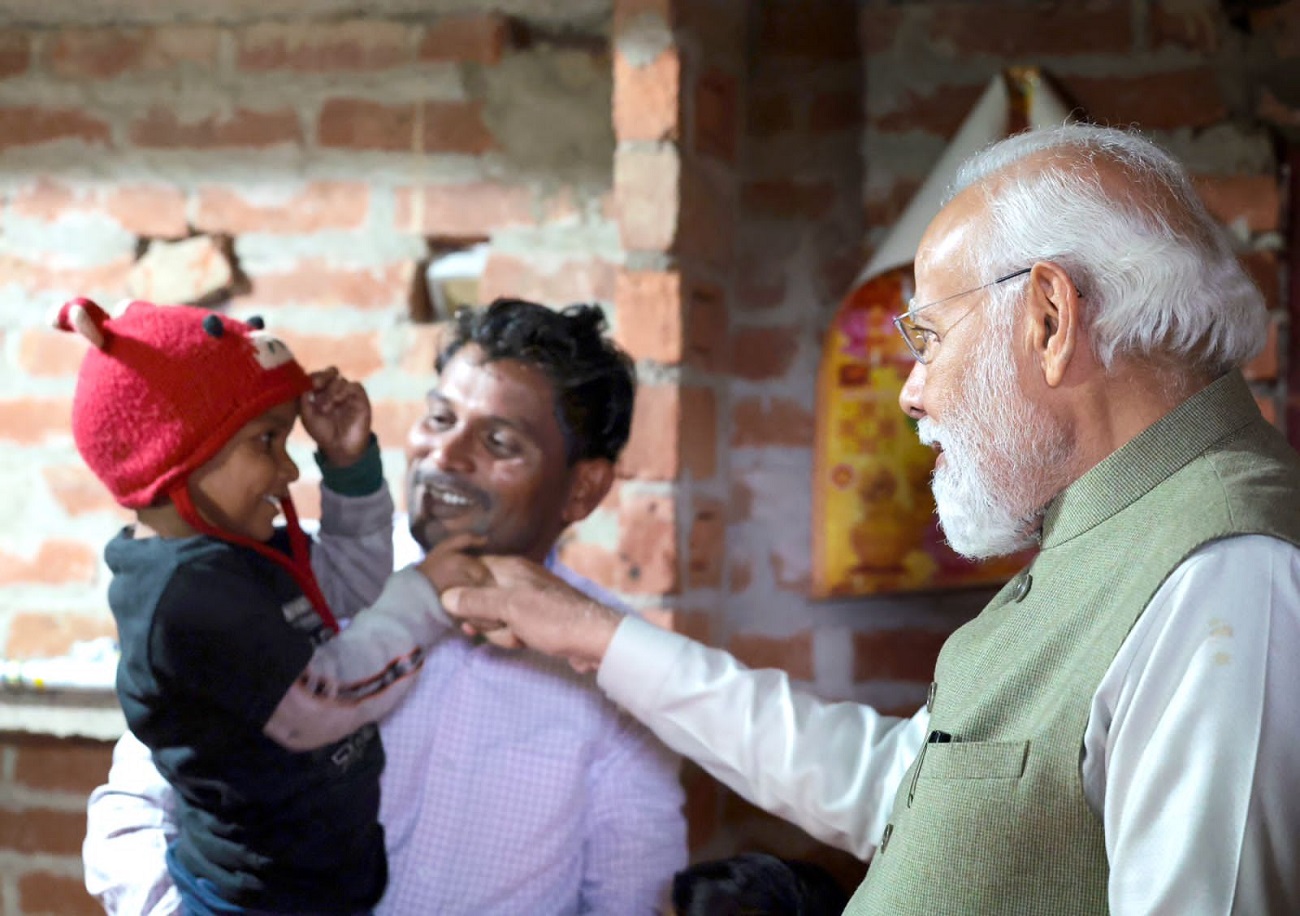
[[678, 85]]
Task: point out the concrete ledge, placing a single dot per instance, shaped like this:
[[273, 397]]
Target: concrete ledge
[[62, 715]]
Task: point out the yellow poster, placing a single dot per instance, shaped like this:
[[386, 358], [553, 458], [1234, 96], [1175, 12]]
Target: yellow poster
[[874, 527]]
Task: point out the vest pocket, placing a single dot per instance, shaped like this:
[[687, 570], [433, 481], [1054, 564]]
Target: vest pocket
[[975, 760]]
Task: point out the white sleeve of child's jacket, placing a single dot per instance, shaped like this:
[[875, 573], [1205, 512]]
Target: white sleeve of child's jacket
[[352, 556], [361, 674]]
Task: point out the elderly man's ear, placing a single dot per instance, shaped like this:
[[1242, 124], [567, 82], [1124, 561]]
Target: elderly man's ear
[[1054, 316], [590, 481]]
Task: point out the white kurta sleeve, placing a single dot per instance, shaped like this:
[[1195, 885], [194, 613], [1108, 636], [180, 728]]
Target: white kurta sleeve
[[830, 768]]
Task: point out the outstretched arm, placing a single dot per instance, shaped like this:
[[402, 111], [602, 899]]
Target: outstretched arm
[[360, 675], [129, 825], [831, 768]]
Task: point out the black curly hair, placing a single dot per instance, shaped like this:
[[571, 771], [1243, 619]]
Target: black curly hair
[[594, 380]]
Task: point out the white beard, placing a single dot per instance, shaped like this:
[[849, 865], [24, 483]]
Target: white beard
[[1002, 459]]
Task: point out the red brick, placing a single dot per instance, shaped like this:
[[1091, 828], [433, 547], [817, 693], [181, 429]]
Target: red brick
[[1016, 30], [647, 188], [790, 577], [597, 563], [878, 26], [702, 798], [152, 211], [657, 12], [1293, 421], [770, 114], [100, 53], [1272, 110], [42, 830], [1264, 368], [939, 112], [740, 575], [697, 625], [740, 501], [30, 421], [317, 282], [59, 765], [699, 433], [306, 492], [56, 563], [1262, 266], [759, 354], [357, 355], [421, 344], [41, 893], [647, 99], [47, 200], [647, 546], [1176, 23], [708, 217], [836, 110], [1254, 201], [793, 654], [820, 31], [455, 127], [15, 53], [719, 28], [591, 280], [476, 209], [649, 309], [79, 491], [1279, 26], [325, 47], [653, 449], [707, 547], [392, 420], [706, 327], [480, 38], [788, 199], [107, 280], [165, 129], [885, 205], [717, 115], [363, 125], [318, 206], [31, 125], [46, 352], [896, 655], [1157, 101], [770, 422], [104, 53]]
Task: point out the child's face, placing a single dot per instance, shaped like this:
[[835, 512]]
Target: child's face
[[239, 489]]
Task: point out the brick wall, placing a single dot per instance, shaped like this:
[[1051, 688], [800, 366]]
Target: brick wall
[[312, 167], [713, 172]]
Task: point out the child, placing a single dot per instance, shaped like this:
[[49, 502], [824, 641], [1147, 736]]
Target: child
[[261, 721], [756, 884]]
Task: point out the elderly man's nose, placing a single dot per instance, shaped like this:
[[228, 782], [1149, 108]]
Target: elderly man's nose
[[910, 397]]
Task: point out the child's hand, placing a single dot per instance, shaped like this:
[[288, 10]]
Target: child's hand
[[447, 565], [336, 414]]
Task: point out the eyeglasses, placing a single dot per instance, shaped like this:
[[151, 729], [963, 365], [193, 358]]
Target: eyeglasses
[[919, 339]]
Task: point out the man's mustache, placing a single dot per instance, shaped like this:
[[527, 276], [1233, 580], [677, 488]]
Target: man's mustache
[[439, 480]]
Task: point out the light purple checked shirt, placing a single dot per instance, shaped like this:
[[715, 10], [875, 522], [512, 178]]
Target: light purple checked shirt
[[512, 787]]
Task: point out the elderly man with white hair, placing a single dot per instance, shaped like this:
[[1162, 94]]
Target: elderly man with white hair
[[1116, 730]]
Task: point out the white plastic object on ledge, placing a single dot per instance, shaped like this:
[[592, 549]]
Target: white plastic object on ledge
[[89, 667]]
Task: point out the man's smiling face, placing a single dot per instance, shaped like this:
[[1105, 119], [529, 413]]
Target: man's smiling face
[[489, 457]]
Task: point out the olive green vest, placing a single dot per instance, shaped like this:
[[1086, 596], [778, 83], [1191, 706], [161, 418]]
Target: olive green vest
[[995, 820]]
